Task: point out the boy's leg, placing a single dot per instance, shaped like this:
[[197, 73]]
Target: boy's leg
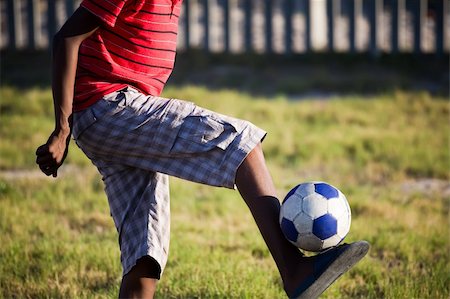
[[306, 277], [255, 184], [141, 281], [140, 205]]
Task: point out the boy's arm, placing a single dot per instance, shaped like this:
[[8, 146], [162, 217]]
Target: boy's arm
[[66, 44]]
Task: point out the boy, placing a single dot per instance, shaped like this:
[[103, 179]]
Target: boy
[[111, 60]]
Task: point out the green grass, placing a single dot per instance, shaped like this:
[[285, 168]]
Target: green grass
[[58, 240]]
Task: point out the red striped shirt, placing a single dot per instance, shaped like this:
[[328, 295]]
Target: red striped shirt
[[134, 46]]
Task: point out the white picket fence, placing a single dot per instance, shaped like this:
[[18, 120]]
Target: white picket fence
[[265, 26]]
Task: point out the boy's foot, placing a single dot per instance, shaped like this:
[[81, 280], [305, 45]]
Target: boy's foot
[[328, 266]]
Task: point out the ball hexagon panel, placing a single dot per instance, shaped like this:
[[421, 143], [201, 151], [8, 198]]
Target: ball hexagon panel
[[303, 224], [325, 226], [293, 190], [348, 207], [289, 230], [326, 190], [315, 205], [337, 207], [291, 207], [305, 189], [331, 241], [344, 223], [310, 242]]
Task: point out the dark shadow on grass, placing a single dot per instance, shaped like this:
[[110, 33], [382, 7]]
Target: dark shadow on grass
[[298, 76], [25, 69], [295, 76]]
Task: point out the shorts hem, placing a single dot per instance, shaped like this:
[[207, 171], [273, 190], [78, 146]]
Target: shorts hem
[[131, 262], [242, 150]]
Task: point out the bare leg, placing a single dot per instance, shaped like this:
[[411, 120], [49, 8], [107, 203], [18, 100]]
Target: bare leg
[[140, 282], [257, 189]]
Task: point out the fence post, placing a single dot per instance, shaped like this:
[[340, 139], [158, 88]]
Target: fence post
[[330, 24], [288, 7], [51, 21], [394, 25], [445, 20], [11, 13], [206, 24], [226, 11], [187, 36], [439, 26], [355, 11], [352, 25], [248, 25], [419, 12], [374, 17], [308, 25], [31, 23], [268, 25], [69, 8]]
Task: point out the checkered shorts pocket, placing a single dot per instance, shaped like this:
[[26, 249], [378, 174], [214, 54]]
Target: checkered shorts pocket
[[202, 133], [82, 121]]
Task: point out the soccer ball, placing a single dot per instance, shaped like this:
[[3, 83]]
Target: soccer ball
[[315, 216]]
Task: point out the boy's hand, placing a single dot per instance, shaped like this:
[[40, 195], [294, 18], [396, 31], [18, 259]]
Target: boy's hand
[[51, 155]]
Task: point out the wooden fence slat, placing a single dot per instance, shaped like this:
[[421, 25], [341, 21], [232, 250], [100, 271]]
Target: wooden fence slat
[[307, 13], [419, 12], [226, 25], [352, 25], [374, 19], [288, 10], [248, 25], [330, 5], [401, 16], [70, 7], [358, 14], [445, 22], [51, 21], [31, 22], [439, 27], [206, 24], [268, 25], [394, 25], [11, 14], [187, 14]]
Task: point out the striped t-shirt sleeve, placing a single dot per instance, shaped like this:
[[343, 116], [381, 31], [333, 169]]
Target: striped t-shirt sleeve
[[106, 10]]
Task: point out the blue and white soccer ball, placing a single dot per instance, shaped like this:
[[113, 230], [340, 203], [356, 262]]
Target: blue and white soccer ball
[[315, 216]]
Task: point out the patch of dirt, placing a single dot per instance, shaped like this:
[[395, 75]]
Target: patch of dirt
[[32, 174], [426, 186], [416, 186]]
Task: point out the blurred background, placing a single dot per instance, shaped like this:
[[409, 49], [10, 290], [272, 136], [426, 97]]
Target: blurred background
[[352, 92], [400, 35], [265, 26], [304, 47]]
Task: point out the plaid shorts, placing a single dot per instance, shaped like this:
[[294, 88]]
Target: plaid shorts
[[136, 141]]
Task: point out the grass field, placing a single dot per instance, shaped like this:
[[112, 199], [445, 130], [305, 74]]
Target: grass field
[[389, 153]]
